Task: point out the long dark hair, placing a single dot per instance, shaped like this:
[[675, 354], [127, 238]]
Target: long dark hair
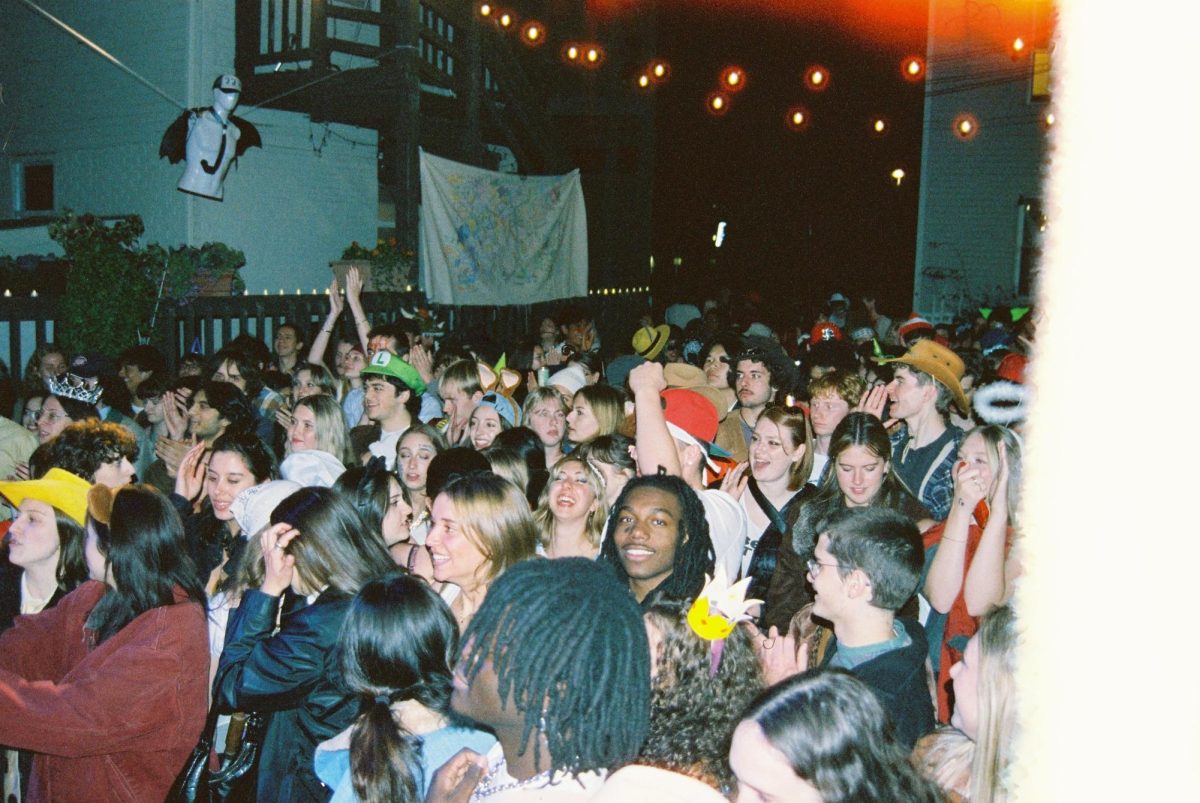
[[836, 735], [398, 642], [143, 543], [369, 489], [333, 547], [693, 552], [867, 431], [72, 564], [213, 539]]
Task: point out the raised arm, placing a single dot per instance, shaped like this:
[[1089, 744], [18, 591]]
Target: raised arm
[[362, 326], [655, 446], [945, 578], [985, 585], [321, 342]]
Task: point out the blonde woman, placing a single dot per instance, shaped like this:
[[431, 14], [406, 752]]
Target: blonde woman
[[972, 567], [481, 526], [572, 511], [545, 412], [970, 759]]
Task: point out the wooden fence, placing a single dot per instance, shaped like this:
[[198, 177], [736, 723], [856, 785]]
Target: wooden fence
[[209, 322]]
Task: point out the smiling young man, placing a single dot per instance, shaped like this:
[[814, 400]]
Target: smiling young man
[[759, 372], [657, 539], [924, 446], [866, 566], [391, 399], [675, 430]]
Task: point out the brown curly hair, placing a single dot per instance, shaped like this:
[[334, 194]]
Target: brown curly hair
[[692, 715]]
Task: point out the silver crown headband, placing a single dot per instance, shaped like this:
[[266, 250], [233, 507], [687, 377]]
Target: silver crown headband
[[71, 386]]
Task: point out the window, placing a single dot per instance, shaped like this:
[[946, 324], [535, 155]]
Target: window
[[34, 187]]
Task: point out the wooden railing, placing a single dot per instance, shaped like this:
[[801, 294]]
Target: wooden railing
[[210, 322], [278, 34]]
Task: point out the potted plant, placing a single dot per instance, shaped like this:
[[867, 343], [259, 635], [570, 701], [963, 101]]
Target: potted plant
[[385, 268]]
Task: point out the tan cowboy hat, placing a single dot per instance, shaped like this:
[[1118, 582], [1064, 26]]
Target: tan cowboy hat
[[939, 362], [650, 340], [682, 375]]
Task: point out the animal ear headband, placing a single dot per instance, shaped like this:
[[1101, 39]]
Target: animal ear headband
[[501, 379]]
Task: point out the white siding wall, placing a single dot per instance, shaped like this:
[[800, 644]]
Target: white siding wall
[[289, 208], [967, 231]]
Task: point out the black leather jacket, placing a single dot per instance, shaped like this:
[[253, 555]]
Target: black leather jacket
[[292, 677]]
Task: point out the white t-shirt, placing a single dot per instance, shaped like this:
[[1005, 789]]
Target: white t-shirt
[[728, 527], [385, 447]]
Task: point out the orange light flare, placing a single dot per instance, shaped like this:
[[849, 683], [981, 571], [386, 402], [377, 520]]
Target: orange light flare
[[797, 118], [880, 126], [486, 9], [816, 78], [593, 56], [643, 81], [572, 53], [533, 33], [733, 79], [912, 68], [717, 103], [506, 20], [966, 126], [659, 70], [1018, 46]]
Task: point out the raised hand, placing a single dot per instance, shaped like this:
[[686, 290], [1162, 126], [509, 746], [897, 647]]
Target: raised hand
[[189, 479], [278, 566], [734, 483], [778, 656], [455, 781], [175, 407], [420, 359]]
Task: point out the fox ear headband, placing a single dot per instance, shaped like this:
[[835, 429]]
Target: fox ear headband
[[501, 379]]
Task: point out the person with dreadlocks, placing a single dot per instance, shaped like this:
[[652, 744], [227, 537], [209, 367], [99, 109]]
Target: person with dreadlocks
[[657, 541], [566, 705]]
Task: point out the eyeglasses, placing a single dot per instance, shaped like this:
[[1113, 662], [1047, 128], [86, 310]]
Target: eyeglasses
[[814, 566], [49, 415]]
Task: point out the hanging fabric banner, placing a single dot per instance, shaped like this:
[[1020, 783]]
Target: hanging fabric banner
[[494, 239]]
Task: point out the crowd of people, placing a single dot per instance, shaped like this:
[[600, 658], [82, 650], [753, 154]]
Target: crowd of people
[[719, 559]]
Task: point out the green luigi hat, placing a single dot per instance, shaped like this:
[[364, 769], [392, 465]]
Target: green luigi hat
[[388, 364]]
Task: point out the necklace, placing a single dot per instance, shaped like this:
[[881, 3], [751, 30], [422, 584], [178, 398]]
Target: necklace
[[486, 788]]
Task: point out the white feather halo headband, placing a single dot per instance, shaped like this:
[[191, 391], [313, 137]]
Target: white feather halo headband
[[1003, 402]]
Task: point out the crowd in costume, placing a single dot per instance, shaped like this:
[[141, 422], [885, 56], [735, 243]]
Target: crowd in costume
[[718, 557]]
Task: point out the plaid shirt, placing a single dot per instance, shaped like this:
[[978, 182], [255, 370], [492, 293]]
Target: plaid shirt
[[936, 488]]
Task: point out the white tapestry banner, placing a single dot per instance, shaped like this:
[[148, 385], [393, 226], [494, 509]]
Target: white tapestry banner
[[493, 238]]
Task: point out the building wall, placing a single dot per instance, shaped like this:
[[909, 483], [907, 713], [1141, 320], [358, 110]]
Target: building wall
[[972, 191], [291, 206]]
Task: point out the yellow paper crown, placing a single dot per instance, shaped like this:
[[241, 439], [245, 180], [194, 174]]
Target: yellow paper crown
[[720, 606]]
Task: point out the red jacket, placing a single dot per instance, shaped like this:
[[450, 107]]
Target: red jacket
[[113, 722]]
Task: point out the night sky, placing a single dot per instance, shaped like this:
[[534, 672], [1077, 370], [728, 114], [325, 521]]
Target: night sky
[[814, 211]]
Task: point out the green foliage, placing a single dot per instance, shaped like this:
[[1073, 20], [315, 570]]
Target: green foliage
[[114, 287], [184, 272], [108, 294]]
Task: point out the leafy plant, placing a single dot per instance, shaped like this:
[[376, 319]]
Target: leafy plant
[[114, 288], [184, 272], [391, 266], [108, 294]]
